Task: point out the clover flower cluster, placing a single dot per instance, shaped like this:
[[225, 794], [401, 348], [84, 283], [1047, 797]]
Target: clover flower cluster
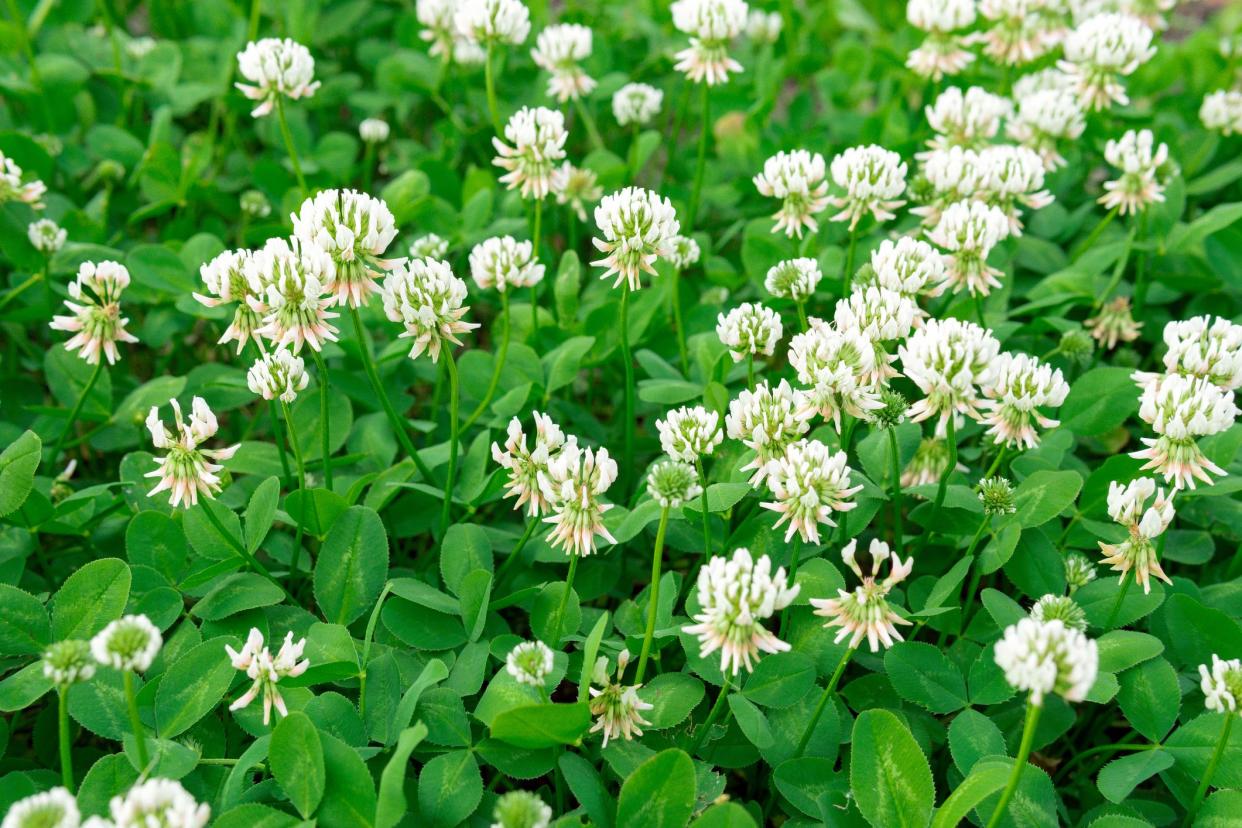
[[797, 178], [636, 103], [487, 22], [1127, 505], [949, 360], [534, 143], [573, 482], [865, 612], [711, 25], [1102, 50], [672, 483], [809, 482], [1221, 684], [1179, 410], [943, 50], [1048, 657], [228, 278], [94, 317], [838, 368], [576, 187], [1222, 111], [872, 180], [1016, 388], [967, 119], [503, 262], [187, 470], [638, 228], [265, 671], [528, 465], [749, 330], [275, 68], [559, 49], [794, 279], [530, 663], [908, 266], [1203, 346], [131, 643], [765, 420], [1141, 162], [689, 434], [12, 188], [354, 230], [617, 707], [426, 298], [879, 315], [279, 375], [46, 236]]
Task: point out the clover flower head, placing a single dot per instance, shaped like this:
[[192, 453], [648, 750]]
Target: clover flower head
[[576, 186], [502, 262], [1114, 323], [68, 662], [765, 420], [1043, 120], [1180, 409], [908, 266], [948, 176], [536, 142], [672, 483], [186, 470], [354, 229], [948, 360], [794, 279], [617, 707], [54, 808], [155, 802], [558, 50], [736, 595], [689, 434], [969, 231], [290, 279], [278, 374], [966, 119], [880, 315], [573, 483], [430, 246], [638, 227], [711, 24], [1222, 111], [1222, 684], [872, 180], [943, 50], [275, 67], [46, 236], [810, 482], [997, 496], [892, 410], [521, 809], [636, 103], [797, 178], [373, 130], [929, 463], [865, 612], [1202, 346], [683, 252], [1060, 608], [1100, 51], [527, 465], [1043, 657], [266, 671], [1017, 387], [1079, 571], [254, 204], [485, 22], [439, 27], [227, 278], [530, 663], [1140, 161], [1013, 176], [1021, 31], [1127, 505], [838, 367], [12, 188], [749, 329], [94, 316], [763, 27], [131, 642], [425, 297]]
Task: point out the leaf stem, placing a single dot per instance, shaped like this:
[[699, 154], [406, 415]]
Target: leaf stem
[[823, 702], [627, 456], [1206, 782], [1121, 596], [653, 596], [446, 512], [366, 650], [531, 525], [77, 409], [847, 277], [678, 328], [241, 549], [135, 721], [497, 367], [701, 732], [297, 458], [701, 163], [569, 587], [951, 436], [289, 148], [1024, 750], [325, 421], [489, 80], [896, 471], [62, 731]]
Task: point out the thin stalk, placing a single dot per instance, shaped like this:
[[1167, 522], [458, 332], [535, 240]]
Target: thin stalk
[[498, 364], [62, 732], [517, 550], [944, 480], [976, 575], [823, 702], [280, 439], [1118, 271], [23, 35], [17, 291], [366, 650], [77, 409], [1206, 781], [289, 148], [241, 549], [750, 372], [675, 288], [701, 733], [446, 512], [627, 455], [569, 587], [135, 721], [368, 165], [325, 421], [701, 163], [535, 233], [802, 323], [632, 156], [1095, 234], [847, 277], [1140, 267], [1121, 597], [795, 555], [252, 30], [896, 470], [978, 302], [297, 458], [1000, 457], [589, 120], [653, 596], [489, 79], [1028, 738], [707, 527]]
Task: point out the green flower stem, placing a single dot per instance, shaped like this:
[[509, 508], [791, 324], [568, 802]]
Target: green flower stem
[[497, 366], [252, 29], [1095, 235], [62, 731], [135, 721], [325, 417], [569, 587], [802, 323], [847, 277], [535, 233], [701, 163], [978, 303], [489, 79], [896, 471], [1118, 271], [795, 555], [30, 281], [1121, 597], [398, 425], [446, 513], [750, 372], [297, 458], [77, 409], [289, 148], [589, 120], [707, 527], [678, 328], [627, 456], [632, 155], [1206, 782], [1095, 751], [368, 167], [976, 575], [1028, 737], [996, 464], [944, 481], [823, 702], [531, 525], [240, 548], [653, 596], [1140, 267], [278, 430], [701, 733], [23, 37], [366, 650]]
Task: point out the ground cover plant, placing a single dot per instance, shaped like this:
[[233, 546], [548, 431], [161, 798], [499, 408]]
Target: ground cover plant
[[478, 412]]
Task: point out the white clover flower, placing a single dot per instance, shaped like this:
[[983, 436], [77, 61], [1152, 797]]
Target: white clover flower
[[1100, 51], [1021, 31], [1127, 505], [948, 360], [683, 252], [290, 280], [794, 279], [617, 708], [13, 189], [1060, 608], [467, 53], [68, 662], [46, 236], [947, 177], [572, 483], [354, 229], [1015, 389], [373, 131], [536, 142], [673, 482], [1202, 346], [1045, 118], [521, 809], [639, 227], [765, 420], [996, 495], [275, 67], [278, 374], [838, 369], [1114, 323], [749, 329], [528, 466], [865, 612], [636, 103], [155, 803], [502, 262], [94, 318], [576, 186], [1139, 159], [942, 52], [711, 24], [429, 246], [131, 642], [880, 315], [186, 470], [928, 465], [425, 297], [254, 204], [966, 119], [529, 663], [1042, 657], [227, 278], [797, 178], [439, 26], [810, 482], [492, 21], [763, 27], [1079, 571], [1013, 176], [736, 595], [55, 808], [256, 661], [872, 179], [1222, 111], [908, 266], [1221, 686], [969, 231], [558, 50], [1180, 409], [1042, 80], [689, 434]]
